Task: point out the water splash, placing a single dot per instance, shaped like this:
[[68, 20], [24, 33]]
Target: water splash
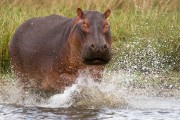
[[12, 92], [146, 54], [116, 90], [87, 93]]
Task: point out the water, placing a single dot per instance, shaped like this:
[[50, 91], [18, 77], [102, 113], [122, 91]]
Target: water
[[118, 96], [37, 113]]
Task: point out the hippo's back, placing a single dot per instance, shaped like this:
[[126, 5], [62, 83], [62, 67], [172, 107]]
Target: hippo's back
[[37, 43]]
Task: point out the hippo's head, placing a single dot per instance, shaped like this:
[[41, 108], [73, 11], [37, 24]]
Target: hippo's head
[[92, 37]]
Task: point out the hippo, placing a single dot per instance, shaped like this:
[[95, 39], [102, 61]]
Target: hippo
[[52, 50]]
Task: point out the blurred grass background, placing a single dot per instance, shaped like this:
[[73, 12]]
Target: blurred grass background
[[146, 33]]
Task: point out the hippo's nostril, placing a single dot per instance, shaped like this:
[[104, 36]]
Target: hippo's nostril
[[105, 47], [92, 46]]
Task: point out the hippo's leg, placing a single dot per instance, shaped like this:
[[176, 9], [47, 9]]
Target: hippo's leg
[[58, 83]]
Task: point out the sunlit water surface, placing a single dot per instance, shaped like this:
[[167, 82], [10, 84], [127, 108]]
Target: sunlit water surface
[[116, 97]]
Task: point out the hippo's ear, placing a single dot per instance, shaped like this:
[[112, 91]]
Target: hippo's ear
[[80, 12], [107, 13]]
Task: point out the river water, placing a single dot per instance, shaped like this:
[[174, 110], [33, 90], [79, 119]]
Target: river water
[[117, 97]]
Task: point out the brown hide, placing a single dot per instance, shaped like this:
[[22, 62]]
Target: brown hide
[[51, 50]]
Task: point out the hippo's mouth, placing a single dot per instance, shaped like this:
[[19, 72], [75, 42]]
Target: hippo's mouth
[[97, 61]]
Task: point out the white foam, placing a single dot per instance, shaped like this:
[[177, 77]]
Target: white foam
[[65, 99]]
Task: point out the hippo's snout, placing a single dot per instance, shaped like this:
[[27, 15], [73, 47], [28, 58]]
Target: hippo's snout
[[96, 54]]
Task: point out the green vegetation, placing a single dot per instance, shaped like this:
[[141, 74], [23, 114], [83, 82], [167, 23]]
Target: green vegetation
[[146, 34]]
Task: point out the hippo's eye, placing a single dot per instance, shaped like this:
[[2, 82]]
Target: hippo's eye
[[85, 27], [84, 24]]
